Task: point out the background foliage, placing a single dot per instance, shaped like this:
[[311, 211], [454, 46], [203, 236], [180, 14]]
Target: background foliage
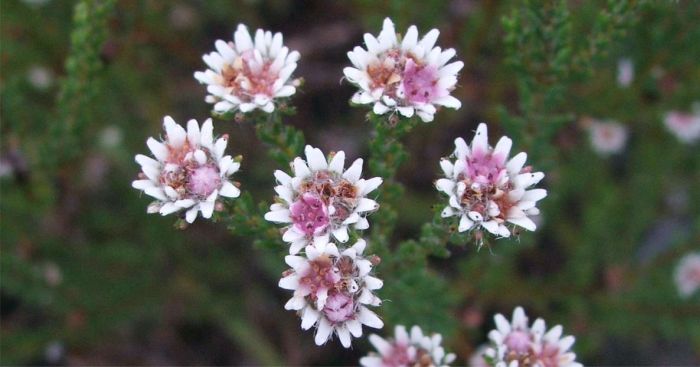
[[87, 277]]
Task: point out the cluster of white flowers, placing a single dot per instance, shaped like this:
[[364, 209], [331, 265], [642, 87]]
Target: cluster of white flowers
[[517, 344], [407, 75], [403, 349], [323, 205], [321, 202], [487, 190]]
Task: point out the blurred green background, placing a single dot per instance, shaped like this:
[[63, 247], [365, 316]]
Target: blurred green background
[[88, 278]]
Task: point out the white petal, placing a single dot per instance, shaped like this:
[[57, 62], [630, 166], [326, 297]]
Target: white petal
[[344, 336], [481, 140], [207, 134], [353, 173], [315, 158], [524, 222], [516, 163], [279, 216], [323, 332], [366, 205], [309, 318], [370, 185], [465, 224], [369, 318], [337, 162], [159, 150], [290, 282], [341, 234], [229, 190], [300, 168], [191, 214]]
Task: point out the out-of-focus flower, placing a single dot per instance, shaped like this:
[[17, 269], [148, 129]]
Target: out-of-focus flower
[[625, 72], [687, 274], [54, 352], [410, 76], [248, 74], [607, 137], [685, 126], [477, 358], [332, 290], [182, 16], [110, 137], [516, 344], [40, 77], [321, 199], [52, 274], [487, 190], [403, 349], [190, 171]]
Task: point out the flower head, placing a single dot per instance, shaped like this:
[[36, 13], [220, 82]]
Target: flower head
[[415, 349], [517, 344], [410, 76], [332, 290], [687, 274], [685, 126], [486, 189], [248, 74], [607, 137], [190, 171], [322, 199]]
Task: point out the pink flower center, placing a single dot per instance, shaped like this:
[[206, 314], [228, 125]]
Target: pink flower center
[[309, 214], [320, 277], [203, 180], [420, 83], [518, 341], [339, 307], [485, 168], [248, 76]]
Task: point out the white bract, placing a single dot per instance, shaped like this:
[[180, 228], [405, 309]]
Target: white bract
[[249, 74], [190, 171], [487, 190], [403, 349], [332, 291], [407, 75], [517, 344], [322, 199]]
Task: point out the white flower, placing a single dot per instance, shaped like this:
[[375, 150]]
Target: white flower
[[410, 76], [607, 137], [685, 126], [687, 274], [321, 199], [625, 72], [189, 172], [332, 290], [486, 189], [516, 344], [248, 74], [415, 349]]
